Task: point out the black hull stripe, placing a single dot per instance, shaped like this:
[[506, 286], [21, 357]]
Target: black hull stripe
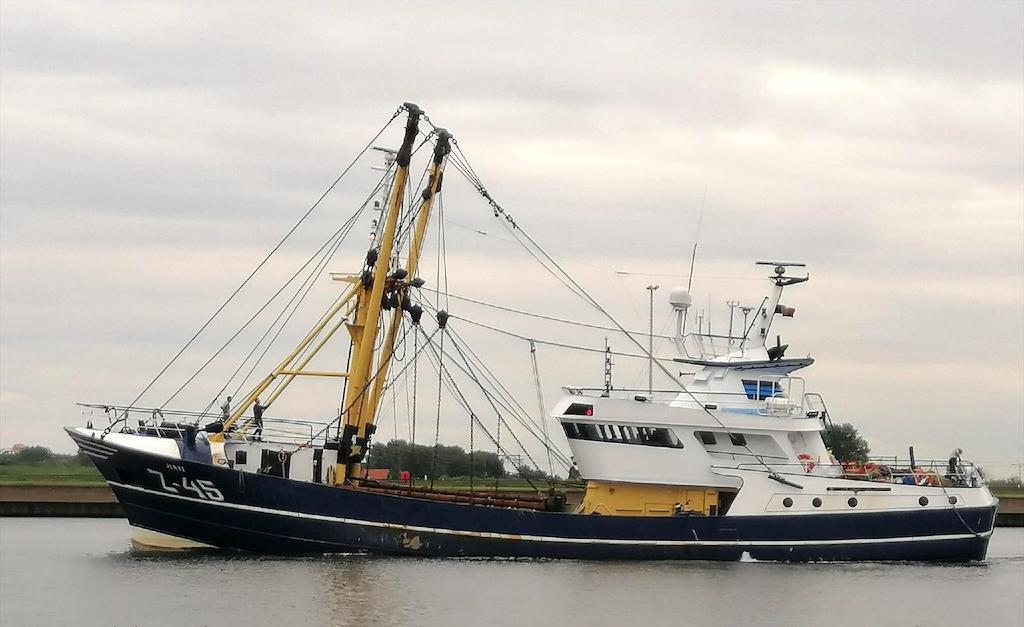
[[556, 539]]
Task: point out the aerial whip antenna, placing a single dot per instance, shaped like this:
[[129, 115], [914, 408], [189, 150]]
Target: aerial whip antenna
[[696, 239]]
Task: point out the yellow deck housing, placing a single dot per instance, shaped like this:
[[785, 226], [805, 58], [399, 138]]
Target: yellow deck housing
[[634, 499]]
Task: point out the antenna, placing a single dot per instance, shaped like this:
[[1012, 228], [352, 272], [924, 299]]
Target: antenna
[[696, 239], [732, 304], [746, 309], [607, 368], [650, 345], [390, 156], [780, 270]]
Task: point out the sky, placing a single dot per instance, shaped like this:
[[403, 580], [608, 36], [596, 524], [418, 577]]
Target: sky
[[152, 153]]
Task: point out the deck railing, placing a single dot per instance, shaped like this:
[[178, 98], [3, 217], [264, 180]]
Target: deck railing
[[789, 401], [925, 472], [175, 423]]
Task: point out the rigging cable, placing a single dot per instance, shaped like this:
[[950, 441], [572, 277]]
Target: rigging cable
[[549, 342], [304, 290], [344, 231], [437, 424], [415, 399], [469, 371], [490, 399], [504, 396], [540, 403], [258, 266], [567, 280], [344, 410], [457, 394], [242, 328], [531, 314]]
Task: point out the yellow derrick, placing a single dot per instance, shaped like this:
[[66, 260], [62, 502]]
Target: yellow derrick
[[365, 380], [359, 310], [288, 368]]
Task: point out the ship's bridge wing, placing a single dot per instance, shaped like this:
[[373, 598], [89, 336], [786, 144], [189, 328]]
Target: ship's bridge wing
[[778, 365]]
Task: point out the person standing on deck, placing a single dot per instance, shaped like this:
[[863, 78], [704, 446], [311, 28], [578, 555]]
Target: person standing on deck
[[257, 415], [225, 410]]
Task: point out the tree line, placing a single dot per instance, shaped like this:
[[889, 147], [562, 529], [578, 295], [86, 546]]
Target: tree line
[[41, 455], [846, 443], [419, 459]]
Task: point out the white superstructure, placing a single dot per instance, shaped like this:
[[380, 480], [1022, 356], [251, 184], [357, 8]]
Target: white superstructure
[[745, 437]]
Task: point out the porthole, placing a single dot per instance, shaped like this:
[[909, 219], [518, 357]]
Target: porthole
[[816, 502], [852, 502], [787, 502], [923, 501], [952, 500]]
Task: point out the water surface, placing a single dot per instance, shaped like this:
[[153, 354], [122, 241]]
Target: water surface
[[82, 572]]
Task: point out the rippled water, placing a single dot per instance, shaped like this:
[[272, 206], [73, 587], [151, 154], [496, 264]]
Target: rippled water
[[81, 571]]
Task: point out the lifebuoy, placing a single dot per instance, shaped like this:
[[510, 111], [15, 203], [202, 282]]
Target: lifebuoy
[[807, 461], [923, 477]]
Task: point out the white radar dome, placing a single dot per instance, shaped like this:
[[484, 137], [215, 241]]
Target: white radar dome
[[680, 298]]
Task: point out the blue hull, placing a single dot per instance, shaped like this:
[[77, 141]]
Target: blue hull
[[265, 514]]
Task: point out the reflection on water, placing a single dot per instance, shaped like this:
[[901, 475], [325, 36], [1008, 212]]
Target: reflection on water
[[81, 571]]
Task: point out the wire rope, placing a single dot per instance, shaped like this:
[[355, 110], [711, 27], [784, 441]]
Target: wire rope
[[260, 264]]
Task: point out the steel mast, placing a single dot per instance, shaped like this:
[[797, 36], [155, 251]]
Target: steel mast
[[362, 309], [366, 382]]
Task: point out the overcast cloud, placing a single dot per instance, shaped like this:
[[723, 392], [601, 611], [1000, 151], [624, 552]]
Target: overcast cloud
[[150, 154]]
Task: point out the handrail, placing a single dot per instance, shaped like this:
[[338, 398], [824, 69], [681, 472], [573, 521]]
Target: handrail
[[161, 421], [163, 413], [926, 472], [723, 399], [675, 391]]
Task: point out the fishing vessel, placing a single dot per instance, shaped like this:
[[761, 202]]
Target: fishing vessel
[[730, 463]]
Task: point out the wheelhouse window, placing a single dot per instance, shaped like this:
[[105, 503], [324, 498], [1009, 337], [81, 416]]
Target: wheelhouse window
[[738, 439], [706, 437], [757, 390], [665, 437], [580, 409], [622, 434]]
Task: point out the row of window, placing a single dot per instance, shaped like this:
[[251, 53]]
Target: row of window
[[649, 436], [708, 438], [622, 434], [757, 390]]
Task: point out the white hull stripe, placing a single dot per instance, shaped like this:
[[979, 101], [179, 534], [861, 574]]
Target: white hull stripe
[[95, 451], [555, 539], [96, 455], [97, 447], [100, 450]]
